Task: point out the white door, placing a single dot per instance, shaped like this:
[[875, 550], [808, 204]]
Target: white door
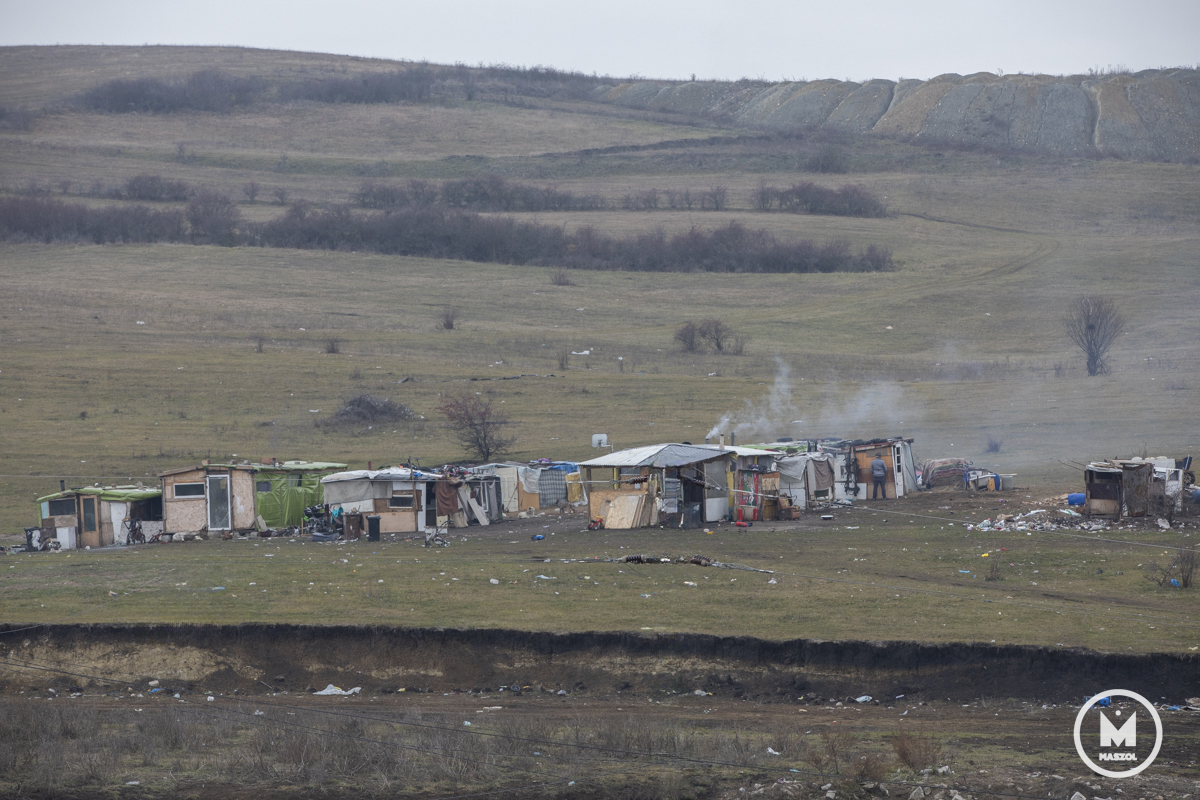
[[218, 502]]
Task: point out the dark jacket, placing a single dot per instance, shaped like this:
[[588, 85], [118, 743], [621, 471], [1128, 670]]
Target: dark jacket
[[878, 469]]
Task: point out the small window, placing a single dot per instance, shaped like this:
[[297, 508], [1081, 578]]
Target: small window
[[189, 490], [62, 508], [400, 501], [293, 480], [264, 487], [89, 513]]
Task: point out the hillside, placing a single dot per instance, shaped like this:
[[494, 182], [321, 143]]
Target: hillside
[[960, 340]]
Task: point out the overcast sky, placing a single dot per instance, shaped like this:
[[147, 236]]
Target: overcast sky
[[771, 39]]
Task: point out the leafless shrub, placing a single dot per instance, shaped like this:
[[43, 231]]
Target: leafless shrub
[[250, 189], [155, 188], [477, 425], [1179, 572], [259, 342], [560, 277], [916, 752], [333, 345], [716, 198], [366, 409], [83, 415], [356, 374], [714, 333], [1093, 324], [1060, 369], [764, 197], [213, 217], [831, 158], [280, 194], [448, 317], [737, 345], [564, 358], [688, 337], [17, 119], [994, 443], [993, 573]]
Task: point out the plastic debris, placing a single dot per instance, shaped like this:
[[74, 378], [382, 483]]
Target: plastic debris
[[866, 698], [771, 751], [333, 690], [537, 537], [494, 582], [547, 578]]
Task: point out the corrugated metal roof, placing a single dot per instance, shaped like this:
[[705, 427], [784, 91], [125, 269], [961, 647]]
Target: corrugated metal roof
[[668, 455]]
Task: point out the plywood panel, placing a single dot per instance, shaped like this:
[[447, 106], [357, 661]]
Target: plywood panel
[[243, 497]]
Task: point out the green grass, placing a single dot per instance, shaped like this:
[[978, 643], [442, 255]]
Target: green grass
[[989, 249], [858, 578]]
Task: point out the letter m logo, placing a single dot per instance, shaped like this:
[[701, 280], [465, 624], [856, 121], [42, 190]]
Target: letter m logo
[[1111, 736]]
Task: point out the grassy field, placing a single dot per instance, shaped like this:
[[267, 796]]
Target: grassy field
[[906, 569], [123, 361]]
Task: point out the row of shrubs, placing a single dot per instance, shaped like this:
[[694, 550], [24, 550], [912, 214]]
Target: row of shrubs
[[493, 193], [207, 90], [214, 90], [434, 233], [809, 198], [488, 193]]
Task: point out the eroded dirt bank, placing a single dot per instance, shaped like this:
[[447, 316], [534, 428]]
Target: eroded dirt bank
[[255, 658]]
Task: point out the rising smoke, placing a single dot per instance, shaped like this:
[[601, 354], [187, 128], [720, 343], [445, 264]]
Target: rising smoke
[[878, 409]]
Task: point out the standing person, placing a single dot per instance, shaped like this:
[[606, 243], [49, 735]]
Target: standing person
[[878, 476]]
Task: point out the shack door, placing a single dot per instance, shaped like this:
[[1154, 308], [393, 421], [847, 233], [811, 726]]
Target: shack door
[[89, 524], [218, 502], [1135, 490]]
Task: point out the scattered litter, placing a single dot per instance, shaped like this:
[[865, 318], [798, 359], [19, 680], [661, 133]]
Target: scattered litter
[[547, 577], [260, 713], [1162, 523], [827, 516], [494, 582], [466, 722], [700, 693], [866, 698], [333, 690], [771, 752], [537, 537], [693, 583]]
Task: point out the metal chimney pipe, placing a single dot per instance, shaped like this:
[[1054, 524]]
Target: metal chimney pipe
[[721, 444], [62, 486]]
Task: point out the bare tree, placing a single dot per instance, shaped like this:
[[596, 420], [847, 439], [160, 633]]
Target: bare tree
[[1093, 324], [213, 217], [716, 198], [475, 423], [715, 333], [448, 317], [688, 337], [251, 190]]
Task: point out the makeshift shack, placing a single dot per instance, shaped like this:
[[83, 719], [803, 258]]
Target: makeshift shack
[[404, 499], [95, 516], [282, 490], [853, 462], [214, 497], [807, 480], [223, 497], [508, 473], [681, 485], [1133, 487], [464, 498]]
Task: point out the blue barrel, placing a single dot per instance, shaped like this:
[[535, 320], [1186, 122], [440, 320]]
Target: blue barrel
[[1075, 499]]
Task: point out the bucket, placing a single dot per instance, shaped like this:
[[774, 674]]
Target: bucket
[[1006, 482], [373, 528]]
